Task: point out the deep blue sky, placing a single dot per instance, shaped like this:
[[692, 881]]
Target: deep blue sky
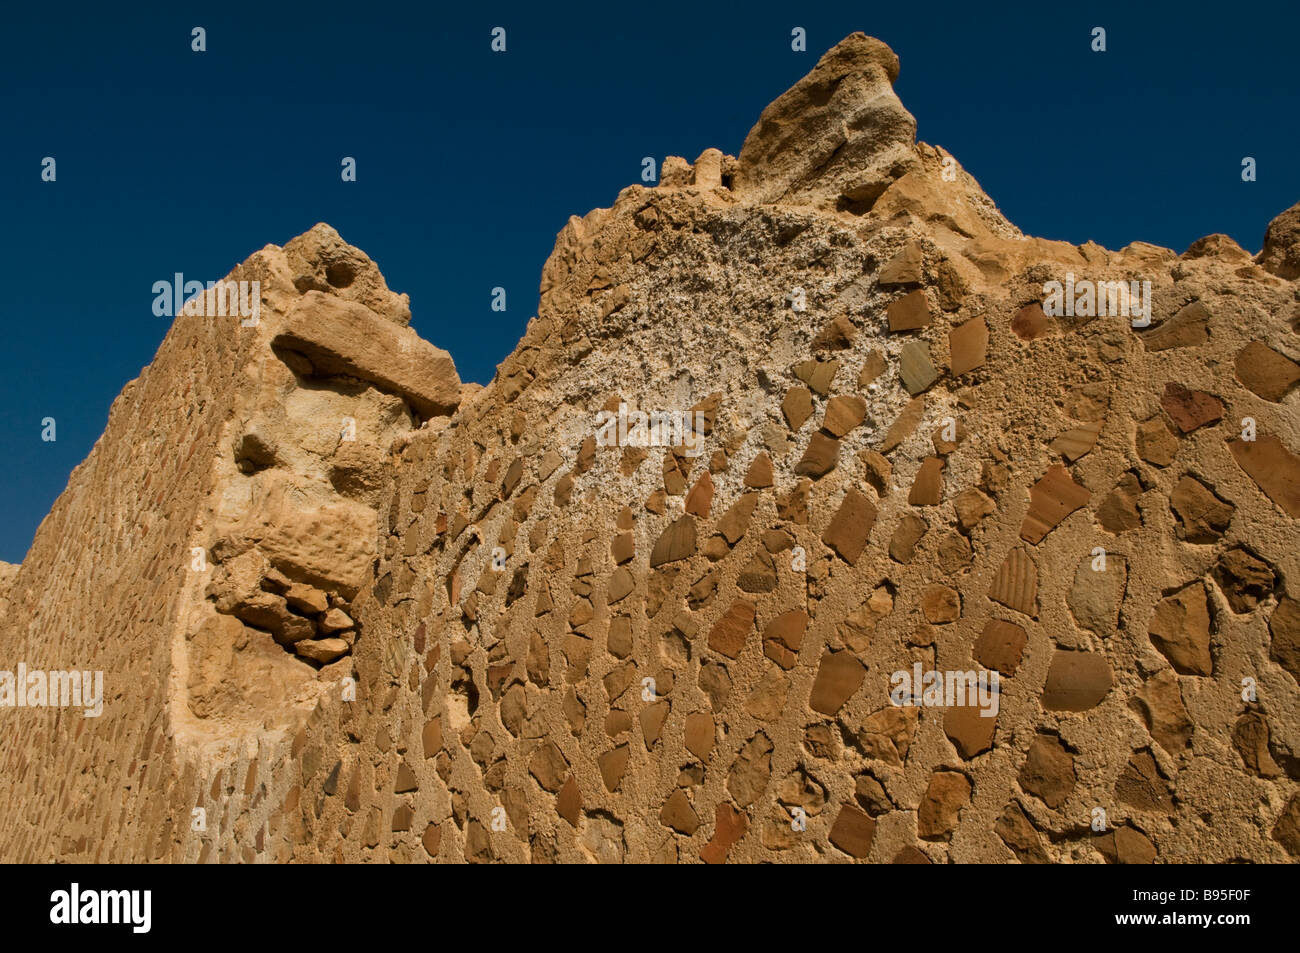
[[469, 162]]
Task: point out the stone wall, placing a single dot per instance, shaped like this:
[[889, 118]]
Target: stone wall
[[477, 632]]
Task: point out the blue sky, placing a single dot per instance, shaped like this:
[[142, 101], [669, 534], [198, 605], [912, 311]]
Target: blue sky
[[470, 161]]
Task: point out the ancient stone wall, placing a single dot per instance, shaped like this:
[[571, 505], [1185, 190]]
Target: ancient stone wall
[[479, 630]]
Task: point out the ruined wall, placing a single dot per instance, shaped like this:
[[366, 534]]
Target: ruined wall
[[557, 650]]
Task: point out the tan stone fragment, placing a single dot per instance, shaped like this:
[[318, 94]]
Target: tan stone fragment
[[1274, 469], [1054, 497], [968, 346]]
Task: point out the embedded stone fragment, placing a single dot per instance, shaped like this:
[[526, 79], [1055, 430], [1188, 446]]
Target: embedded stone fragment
[[872, 368], [678, 814], [698, 503], [843, 413], [1156, 443], [677, 541], [1030, 322], [839, 675], [1202, 516], [797, 407], [849, 528], [1287, 829], [905, 425], [1160, 702], [817, 374], [971, 506], [699, 734], [887, 734], [947, 793], [1126, 845], [970, 728], [767, 700], [729, 633], [1190, 327], [859, 626], [904, 268], [968, 346], [759, 474], [548, 767], [940, 604], [820, 458], [568, 803], [853, 832], [1000, 646], [927, 488], [1048, 771], [759, 574], [750, 772], [909, 313], [1016, 831], [916, 368], [1142, 785], [1245, 580], [1190, 409], [1118, 512], [1016, 583], [837, 335], [902, 545], [730, 826], [1054, 497], [1180, 629], [1266, 372], [1097, 593], [877, 470], [613, 765], [783, 636], [1284, 628], [1274, 469], [1076, 681], [1077, 441]]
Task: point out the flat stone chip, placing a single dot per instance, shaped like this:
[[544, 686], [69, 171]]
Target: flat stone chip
[[1266, 372], [927, 488], [797, 407], [853, 831], [905, 425], [839, 675], [1030, 322], [729, 633], [1054, 497], [1000, 646], [1190, 409], [1076, 681], [1016, 583], [904, 268], [916, 368], [1188, 328], [968, 346], [909, 313], [969, 729], [677, 541], [1077, 441], [1180, 629], [843, 413], [1274, 469], [849, 528]]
